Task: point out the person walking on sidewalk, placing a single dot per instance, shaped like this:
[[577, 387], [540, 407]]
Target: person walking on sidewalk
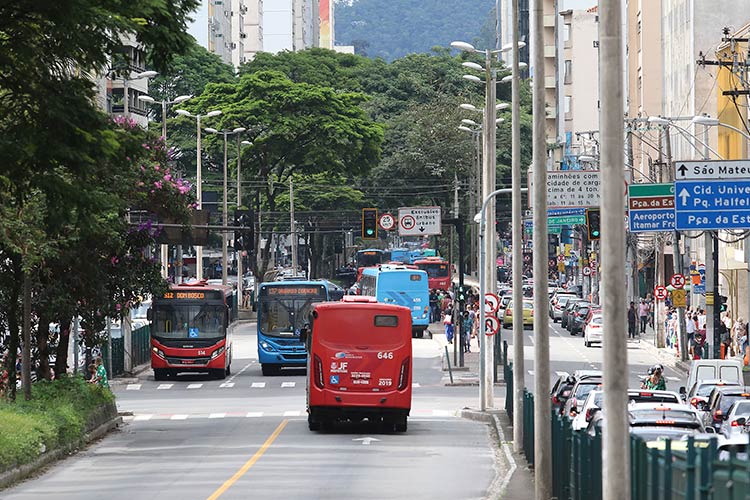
[[448, 322], [468, 324], [632, 318], [643, 314]]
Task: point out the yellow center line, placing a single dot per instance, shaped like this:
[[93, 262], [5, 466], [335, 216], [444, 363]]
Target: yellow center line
[[229, 482]]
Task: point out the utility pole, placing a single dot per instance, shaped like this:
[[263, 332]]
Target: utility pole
[[240, 274], [659, 315], [199, 196], [293, 227], [517, 242], [542, 424], [457, 310], [616, 439]]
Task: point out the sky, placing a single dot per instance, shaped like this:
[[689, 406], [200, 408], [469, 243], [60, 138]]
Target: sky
[[199, 28]]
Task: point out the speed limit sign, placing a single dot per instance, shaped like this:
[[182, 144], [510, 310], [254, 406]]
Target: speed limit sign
[[387, 222]]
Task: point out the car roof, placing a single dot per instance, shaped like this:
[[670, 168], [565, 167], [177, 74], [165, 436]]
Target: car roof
[[582, 374], [731, 389]]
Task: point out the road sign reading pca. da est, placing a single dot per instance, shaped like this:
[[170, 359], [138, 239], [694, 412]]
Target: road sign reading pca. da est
[[651, 207]]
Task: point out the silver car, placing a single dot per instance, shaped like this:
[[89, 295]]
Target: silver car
[[737, 423]]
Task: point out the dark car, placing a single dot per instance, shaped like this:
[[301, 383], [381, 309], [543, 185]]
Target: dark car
[[578, 393], [719, 402], [577, 318], [565, 315]]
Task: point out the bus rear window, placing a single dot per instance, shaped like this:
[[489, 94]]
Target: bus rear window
[[386, 320], [416, 277]]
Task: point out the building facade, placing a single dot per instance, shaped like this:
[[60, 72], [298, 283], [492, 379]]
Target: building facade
[[118, 90], [253, 29], [220, 29]]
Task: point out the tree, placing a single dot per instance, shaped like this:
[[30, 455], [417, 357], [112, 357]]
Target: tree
[[295, 128]]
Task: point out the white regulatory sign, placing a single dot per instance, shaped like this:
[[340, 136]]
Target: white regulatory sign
[[387, 222], [712, 169], [419, 221], [570, 189], [491, 303]]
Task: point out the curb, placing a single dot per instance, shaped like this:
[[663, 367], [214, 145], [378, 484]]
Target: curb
[[507, 467], [24, 471], [666, 356]]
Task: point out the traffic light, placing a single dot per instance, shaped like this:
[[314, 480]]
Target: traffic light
[[244, 235], [369, 223], [593, 222], [461, 293], [722, 303]]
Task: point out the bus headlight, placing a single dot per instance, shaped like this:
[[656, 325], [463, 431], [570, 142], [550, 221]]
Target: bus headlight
[[217, 352], [267, 347], [158, 352]]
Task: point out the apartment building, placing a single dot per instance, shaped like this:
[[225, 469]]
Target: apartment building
[[253, 29], [220, 28], [117, 93]]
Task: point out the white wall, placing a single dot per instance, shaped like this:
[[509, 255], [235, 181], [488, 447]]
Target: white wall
[[278, 19]]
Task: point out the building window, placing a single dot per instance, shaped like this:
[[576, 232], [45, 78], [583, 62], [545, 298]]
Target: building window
[[567, 103], [568, 77], [566, 32]]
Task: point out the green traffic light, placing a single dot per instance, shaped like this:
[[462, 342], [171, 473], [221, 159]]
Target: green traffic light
[[370, 231]]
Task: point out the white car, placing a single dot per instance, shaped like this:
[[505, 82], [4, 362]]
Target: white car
[[737, 423], [593, 402], [593, 332]]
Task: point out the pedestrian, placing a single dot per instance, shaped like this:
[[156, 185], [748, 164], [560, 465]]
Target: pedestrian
[[690, 327], [738, 333], [655, 381], [696, 347], [643, 314], [632, 318], [434, 308], [448, 322], [99, 375], [466, 331]]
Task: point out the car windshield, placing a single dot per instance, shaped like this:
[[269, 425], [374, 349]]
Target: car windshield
[[563, 300], [188, 321], [705, 390], [583, 390], [741, 409], [729, 399], [668, 417]]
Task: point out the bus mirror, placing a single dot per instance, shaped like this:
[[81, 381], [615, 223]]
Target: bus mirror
[[149, 314]]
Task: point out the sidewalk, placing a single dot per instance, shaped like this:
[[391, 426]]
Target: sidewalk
[[468, 375]]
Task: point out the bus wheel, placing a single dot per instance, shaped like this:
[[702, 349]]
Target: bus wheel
[[270, 369], [400, 425], [160, 374], [312, 423], [219, 374], [229, 369]]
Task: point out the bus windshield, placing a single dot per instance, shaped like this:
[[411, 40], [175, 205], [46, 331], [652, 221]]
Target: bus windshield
[[367, 258], [285, 316], [199, 321], [436, 270]]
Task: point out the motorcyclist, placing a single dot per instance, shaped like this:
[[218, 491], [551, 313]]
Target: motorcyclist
[[655, 380]]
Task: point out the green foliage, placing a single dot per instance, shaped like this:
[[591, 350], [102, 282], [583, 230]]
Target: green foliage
[[396, 28], [56, 417]]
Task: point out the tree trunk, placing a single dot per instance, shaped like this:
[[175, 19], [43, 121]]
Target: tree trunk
[[26, 347], [61, 356], [42, 345], [13, 327]]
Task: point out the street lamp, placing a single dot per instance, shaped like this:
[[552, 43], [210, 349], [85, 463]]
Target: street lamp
[[198, 177], [225, 218], [164, 104], [125, 87], [240, 272]]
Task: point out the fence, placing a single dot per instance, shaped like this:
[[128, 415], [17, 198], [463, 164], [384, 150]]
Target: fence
[[659, 470], [140, 351]]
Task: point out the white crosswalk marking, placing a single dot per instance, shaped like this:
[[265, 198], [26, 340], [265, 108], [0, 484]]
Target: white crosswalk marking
[[163, 387], [254, 414], [195, 386], [416, 384], [178, 417], [292, 413], [139, 418], [288, 384], [443, 413], [673, 379], [258, 385], [560, 374], [133, 387], [227, 385], [217, 415]]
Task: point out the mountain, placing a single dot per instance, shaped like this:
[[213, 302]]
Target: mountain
[[393, 28]]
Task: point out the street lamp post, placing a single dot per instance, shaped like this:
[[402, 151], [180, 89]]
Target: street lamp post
[[240, 272], [198, 178], [125, 87], [225, 208], [165, 248]]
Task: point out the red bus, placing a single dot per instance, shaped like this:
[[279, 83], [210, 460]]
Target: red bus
[[359, 363], [190, 330], [438, 272]]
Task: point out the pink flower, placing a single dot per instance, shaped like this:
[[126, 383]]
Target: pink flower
[[167, 177], [156, 167], [118, 306], [157, 184]]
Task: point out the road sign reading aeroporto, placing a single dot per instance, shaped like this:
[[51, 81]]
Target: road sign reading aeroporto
[[419, 221], [712, 169]]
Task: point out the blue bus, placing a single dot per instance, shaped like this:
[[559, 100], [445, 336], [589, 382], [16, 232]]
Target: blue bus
[[393, 284], [283, 308], [400, 255]]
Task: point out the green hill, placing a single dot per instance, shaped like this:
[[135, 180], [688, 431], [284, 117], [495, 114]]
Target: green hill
[[393, 28]]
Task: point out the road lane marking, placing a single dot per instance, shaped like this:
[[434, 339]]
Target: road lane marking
[[163, 387], [292, 413], [195, 386], [415, 384], [288, 384], [231, 379], [254, 414], [133, 387], [181, 416], [227, 384], [561, 374], [217, 415], [258, 385], [229, 482], [139, 418]]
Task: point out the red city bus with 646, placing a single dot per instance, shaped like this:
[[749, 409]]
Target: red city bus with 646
[[359, 363], [190, 330]]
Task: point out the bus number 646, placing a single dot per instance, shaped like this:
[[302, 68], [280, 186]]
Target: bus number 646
[[385, 355]]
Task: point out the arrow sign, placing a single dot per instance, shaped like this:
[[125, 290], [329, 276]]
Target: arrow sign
[[366, 440], [684, 195], [682, 169]]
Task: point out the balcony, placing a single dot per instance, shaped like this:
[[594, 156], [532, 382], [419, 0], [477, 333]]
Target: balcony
[[550, 51], [550, 82], [549, 21]]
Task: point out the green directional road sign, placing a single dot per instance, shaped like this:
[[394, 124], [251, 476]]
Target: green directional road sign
[[566, 220], [551, 229]]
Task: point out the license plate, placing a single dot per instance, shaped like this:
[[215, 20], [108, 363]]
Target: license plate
[[188, 361]]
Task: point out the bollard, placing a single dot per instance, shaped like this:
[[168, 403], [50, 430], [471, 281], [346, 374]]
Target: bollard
[[448, 359]]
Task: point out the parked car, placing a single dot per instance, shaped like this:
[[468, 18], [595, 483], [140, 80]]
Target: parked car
[[577, 316], [737, 420], [561, 390], [636, 396], [567, 311], [528, 314], [593, 332], [655, 421], [719, 402], [593, 403]]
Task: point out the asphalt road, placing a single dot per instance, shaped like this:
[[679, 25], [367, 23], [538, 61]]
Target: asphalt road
[[247, 437]]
